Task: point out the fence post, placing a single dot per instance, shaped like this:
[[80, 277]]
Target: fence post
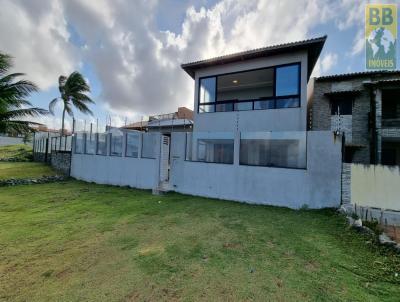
[[45, 154]]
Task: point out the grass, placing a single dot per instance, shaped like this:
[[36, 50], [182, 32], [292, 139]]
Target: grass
[[16, 152], [74, 241], [19, 170]]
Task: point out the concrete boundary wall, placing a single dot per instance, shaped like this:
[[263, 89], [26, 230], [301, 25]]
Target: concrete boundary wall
[[139, 173], [375, 186], [318, 186]]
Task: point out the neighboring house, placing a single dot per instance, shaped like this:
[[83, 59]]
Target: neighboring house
[[179, 121], [365, 106]]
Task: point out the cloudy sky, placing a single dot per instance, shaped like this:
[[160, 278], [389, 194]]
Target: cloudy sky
[[130, 51]]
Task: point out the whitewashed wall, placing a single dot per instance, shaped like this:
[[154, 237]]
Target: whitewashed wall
[[318, 186], [142, 173], [375, 186], [139, 173]]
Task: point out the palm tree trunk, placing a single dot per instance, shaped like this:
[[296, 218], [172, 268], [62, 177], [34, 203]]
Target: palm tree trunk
[[62, 125]]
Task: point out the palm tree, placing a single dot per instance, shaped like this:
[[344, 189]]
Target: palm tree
[[13, 103], [73, 91]]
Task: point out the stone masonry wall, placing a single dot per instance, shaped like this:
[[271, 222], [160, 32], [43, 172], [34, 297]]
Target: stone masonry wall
[[346, 183], [61, 161], [41, 157], [321, 113]]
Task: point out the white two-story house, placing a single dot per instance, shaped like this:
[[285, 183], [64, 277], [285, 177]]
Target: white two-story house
[[250, 140]]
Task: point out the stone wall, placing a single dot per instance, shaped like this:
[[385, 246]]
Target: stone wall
[[320, 111], [41, 157], [321, 115], [346, 183], [61, 161]]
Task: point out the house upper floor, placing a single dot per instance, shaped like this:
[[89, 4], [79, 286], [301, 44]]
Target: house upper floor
[[258, 90], [365, 106]]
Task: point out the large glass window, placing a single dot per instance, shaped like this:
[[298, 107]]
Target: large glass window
[[273, 149], [210, 147], [101, 144], [207, 90], [261, 89], [287, 80], [245, 86], [132, 144], [215, 150]]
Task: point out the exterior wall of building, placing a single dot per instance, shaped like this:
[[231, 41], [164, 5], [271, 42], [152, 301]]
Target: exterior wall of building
[[320, 112], [288, 119], [317, 186]]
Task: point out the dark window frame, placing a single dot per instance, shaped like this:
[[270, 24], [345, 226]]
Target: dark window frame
[[274, 97], [341, 100]]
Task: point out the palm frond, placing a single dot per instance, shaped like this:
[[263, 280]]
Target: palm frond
[[5, 63], [17, 127], [18, 90], [68, 109], [18, 113], [81, 107], [81, 97], [76, 83], [52, 105], [13, 103]]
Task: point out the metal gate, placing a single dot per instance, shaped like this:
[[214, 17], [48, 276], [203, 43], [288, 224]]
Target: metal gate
[[164, 158]]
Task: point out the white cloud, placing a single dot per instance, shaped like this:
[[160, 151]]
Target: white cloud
[[138, 65], [328, 61], [35, 34]]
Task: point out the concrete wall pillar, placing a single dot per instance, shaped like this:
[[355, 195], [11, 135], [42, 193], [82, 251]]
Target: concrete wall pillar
[[236, 148]]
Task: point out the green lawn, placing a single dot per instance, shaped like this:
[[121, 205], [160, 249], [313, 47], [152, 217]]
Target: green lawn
[[74, 241], [24, 170], [17, 152]]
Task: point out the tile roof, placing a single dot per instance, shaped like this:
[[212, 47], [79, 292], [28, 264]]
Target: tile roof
[[357, 74], [314, 47]]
